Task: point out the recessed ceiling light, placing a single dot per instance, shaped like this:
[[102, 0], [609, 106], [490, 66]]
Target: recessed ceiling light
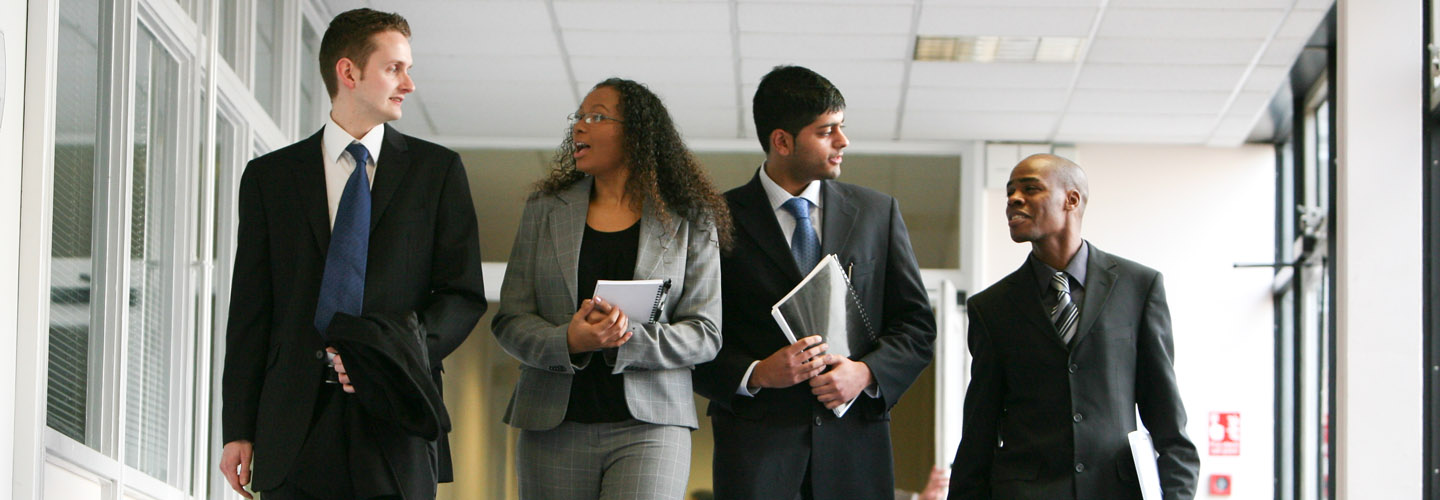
[[1049, 49]]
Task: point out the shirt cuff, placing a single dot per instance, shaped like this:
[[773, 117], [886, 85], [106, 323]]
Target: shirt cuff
[[744, 389], [873, 390]]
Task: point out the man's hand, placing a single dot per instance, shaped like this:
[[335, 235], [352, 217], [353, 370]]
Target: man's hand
[[237, 456], [339, 367], [938, 485], [790, 365], [611, 329], [842, 383]]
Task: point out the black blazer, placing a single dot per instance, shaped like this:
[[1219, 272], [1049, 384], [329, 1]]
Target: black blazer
[[1046, 422], [424, 256], [850, 457]]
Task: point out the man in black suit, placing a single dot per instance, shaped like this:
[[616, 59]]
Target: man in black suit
[[1065, 349], [406, 243], [776, 436]]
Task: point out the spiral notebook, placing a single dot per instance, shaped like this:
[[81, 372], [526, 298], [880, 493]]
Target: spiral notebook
[[825, 303], [639, 299]]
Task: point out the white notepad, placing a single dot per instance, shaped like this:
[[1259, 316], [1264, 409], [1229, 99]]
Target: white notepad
[[639, 299]]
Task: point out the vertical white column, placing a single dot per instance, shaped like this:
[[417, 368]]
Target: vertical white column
[[1379, 426], [12, 106]]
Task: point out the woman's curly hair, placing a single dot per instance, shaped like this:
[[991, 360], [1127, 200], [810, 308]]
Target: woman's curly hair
[[663, 172]]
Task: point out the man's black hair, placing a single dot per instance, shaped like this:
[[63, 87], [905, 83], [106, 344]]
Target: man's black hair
[[791, 97]]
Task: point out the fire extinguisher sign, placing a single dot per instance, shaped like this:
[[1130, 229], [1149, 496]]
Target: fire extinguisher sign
[[1224, 433]]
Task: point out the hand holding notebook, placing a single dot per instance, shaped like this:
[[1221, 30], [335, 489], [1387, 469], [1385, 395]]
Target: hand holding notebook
[[641, 300]]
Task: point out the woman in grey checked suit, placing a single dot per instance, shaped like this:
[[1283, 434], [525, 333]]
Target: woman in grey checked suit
[[604, 398]]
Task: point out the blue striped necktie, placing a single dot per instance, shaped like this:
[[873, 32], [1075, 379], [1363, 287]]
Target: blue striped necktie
[[1065, 312], [342, 288], [804, 243]]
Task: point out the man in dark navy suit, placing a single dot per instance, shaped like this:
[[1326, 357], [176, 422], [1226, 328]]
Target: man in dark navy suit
[[356, 219]]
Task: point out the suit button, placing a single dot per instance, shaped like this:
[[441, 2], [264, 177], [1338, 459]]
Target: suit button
[[818, 422], [1078, 417], [557, 368], [320, 354], [1074, 368], [1079, 468]]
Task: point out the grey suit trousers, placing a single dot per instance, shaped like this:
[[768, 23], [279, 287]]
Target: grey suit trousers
[[630, 460]]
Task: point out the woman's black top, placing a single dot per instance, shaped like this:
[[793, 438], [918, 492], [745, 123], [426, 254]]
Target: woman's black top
[[596, 395]]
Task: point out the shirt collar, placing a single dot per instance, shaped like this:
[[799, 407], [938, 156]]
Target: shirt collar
[[778, 195], [1076, 267], [336, 139]]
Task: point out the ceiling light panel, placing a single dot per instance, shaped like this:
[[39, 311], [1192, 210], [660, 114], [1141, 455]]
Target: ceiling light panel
[[965, 20], [824, 19], [1189, 23]]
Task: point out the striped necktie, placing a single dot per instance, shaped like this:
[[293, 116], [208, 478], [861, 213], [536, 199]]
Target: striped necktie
[[1065, 313]]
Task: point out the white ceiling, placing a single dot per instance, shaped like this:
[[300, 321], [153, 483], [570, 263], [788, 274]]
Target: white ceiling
[[1153, 71]]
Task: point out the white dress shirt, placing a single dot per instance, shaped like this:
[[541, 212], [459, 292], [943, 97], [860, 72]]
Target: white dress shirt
[[339, 164]]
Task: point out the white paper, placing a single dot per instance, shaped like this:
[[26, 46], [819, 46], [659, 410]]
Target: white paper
[[1146, 470], [638, 299]]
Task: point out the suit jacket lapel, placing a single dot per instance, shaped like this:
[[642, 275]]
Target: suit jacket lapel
[[1025, 297], [838, 221], [655, 238], [755, 216], [567, 229], [389, 173], [1100, 273], [309, 171]]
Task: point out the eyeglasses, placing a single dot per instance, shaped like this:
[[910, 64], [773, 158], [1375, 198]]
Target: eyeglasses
[[590, 118]]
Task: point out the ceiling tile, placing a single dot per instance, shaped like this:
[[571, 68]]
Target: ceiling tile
[[971, 20], [469, 18], [688, 17], [825, 19], [488, 68], [866, 124], [1283, 51], [1250, 103], [501, 109], [1189, 23], [1130, 124], [1202, 4], [818, 47], [1235, 125], [654, 71], [1156, 77], [1020, 100], [1301, 23], [713, 46], [1015, 3], [705, 122], [843, 73], [1172, 51], [991, 75], [708, 94], [943, 126], [1267, 78], [1147, 101]]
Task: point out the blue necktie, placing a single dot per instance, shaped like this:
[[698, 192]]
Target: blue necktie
[[342, 288], [804, 243]]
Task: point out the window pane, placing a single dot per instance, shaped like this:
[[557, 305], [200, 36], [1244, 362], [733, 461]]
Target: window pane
[[229, 31], [78, 160], [152, 261], [312, 88], [267, 56]]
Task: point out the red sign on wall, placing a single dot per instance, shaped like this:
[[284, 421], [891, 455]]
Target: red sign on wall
[[1225, 433]]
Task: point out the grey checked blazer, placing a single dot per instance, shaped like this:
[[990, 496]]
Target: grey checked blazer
[[538, 299]]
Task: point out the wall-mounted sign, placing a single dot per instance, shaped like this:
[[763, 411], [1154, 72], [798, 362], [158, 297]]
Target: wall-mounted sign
[[1224, 433]]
